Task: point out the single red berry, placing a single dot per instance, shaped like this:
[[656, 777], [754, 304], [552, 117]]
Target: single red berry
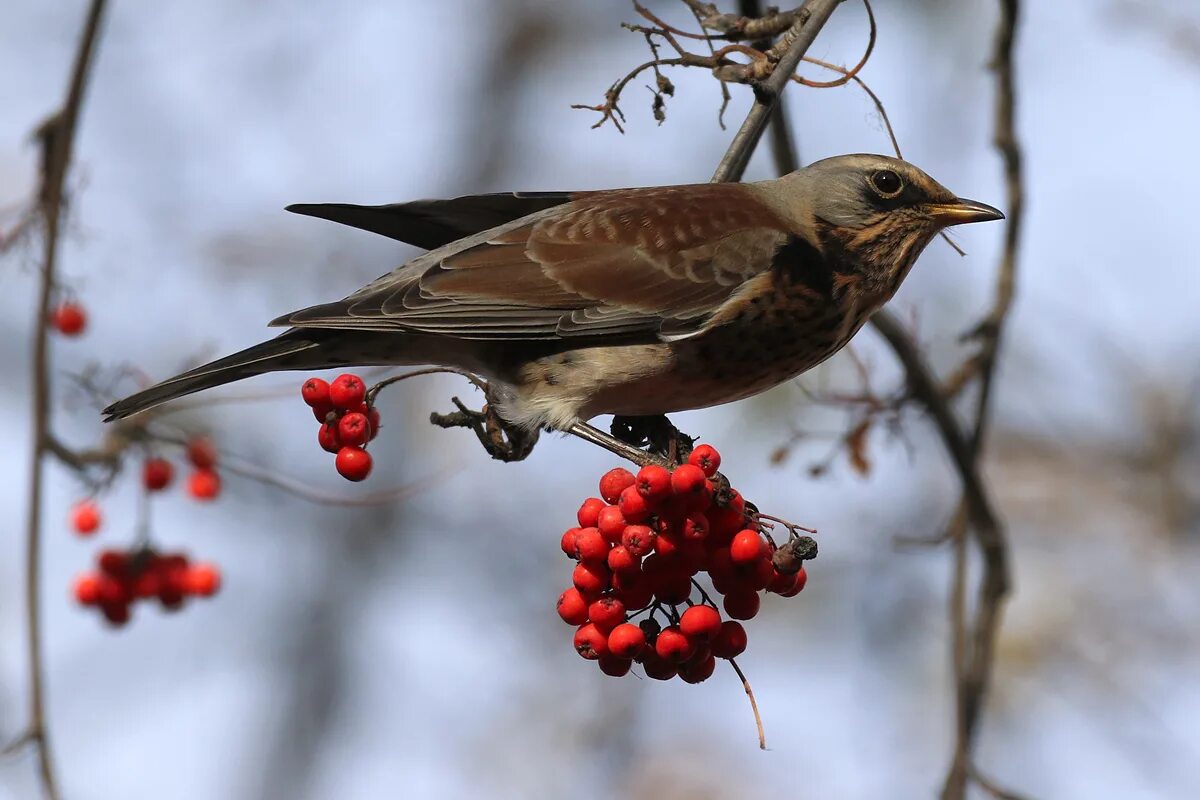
[[202, 579], [87, 589], [328, 437], [616, 667], [633, 589], [606, 613], [157, 473], [698, 670], [747, 547], [730, 641], [113, 562], [611, 523], [621, 560], [626, 641], [742, 603], [117, 614], [706, 457], [204, 484], [756, 575], [591, 545], [667, 544], [374, 419], [201, 452], [325, 414], [695, 527], [633, 506], [315, 393], [653, 483], [572, 607], [112, 590], [687, 480], [614, 482], [85, 517], [671, 645], [347, 391], [569, 543], [69, 319], [589, 512], [353, 429], [353, 464], [146, 584], [591, 578], [673, 588], [658, 667], [798, 582], [701, 623], [170, 599], [639, 540], [591, 642]]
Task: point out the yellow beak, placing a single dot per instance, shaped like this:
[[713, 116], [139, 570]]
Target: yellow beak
[[962, 211]]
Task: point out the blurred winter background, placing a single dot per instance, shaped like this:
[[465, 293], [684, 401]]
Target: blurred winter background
[[413, 650]]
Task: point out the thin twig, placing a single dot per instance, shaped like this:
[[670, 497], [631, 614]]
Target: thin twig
[[57, 139], [762, 734]]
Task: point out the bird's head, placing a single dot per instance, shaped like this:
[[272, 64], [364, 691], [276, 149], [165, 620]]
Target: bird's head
[[873, 212]]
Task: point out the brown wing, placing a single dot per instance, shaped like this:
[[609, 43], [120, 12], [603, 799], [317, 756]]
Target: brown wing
[[621, 263]]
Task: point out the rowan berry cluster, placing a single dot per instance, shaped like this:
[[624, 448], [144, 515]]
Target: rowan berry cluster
[[639, 548], [347, 420], [125, 577]]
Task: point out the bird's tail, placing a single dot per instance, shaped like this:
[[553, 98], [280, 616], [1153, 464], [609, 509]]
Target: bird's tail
[[296, 349]]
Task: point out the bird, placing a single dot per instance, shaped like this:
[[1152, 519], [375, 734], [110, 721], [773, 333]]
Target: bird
[[632, 302]]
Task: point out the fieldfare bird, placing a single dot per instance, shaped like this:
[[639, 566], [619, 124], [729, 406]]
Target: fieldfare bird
[[630, 301]]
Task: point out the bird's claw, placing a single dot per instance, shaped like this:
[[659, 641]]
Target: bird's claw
[[502, 441]]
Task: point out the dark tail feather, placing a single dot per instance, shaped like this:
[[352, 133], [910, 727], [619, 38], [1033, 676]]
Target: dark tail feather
[[295, 349]]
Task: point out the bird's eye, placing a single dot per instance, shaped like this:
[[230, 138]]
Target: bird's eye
[[886, 182]]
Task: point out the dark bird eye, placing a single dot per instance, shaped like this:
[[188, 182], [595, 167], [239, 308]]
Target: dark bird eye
[[886, 182]]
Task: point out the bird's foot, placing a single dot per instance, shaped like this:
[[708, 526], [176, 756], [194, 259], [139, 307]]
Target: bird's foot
[[657, 432], [502, 441]]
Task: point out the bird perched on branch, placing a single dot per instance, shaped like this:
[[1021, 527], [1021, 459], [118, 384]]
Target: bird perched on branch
[[630, 301]]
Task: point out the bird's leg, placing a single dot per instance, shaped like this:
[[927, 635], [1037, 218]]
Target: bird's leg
[[615, 445], [501, 441], [657, 431]]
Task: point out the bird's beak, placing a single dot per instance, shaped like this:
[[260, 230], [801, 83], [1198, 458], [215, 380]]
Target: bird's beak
[[960, 211]]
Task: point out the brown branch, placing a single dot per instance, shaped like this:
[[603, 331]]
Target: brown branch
[[57, 138]]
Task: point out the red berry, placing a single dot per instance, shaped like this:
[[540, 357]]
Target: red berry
[[569, 544], [616, 667], [653, 483], [639, 540], [611, 523], [69, 319], [148, 583], [85, 517], [113, 562], [706, 457], [589, 512], [672, 646], [591, 545], [572, 607], [747, 547], [591, 642], [353, 429], [112, 590], [117, 614], [157, 473], [328, 438], [373, 418], [315, 393], [798, 582], [697, 670], [688, 480], [621, 560], [633, 506], [322, 414], [695, 527], [202, 579], [730, 641], [614, 482], [591, 578], [202, 453], [87, 589], [606, 613], [353, 464], [756, 575], [667, 544], [346, 392], [626, 641], [633, 589], [657, 667], [701, 623], [204, 484], [742, 603], [673, 588]]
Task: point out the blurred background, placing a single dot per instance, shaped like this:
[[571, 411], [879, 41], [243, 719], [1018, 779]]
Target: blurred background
[[412, 650]]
